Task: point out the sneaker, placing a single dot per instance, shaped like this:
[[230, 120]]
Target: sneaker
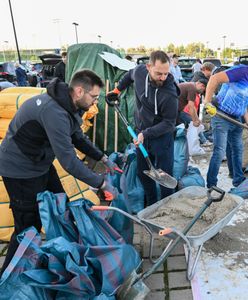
[[207, 144]]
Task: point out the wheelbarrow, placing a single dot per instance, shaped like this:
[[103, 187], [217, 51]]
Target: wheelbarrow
[[134, 288]]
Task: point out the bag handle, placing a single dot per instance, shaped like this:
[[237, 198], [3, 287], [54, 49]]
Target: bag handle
[[24, 244]]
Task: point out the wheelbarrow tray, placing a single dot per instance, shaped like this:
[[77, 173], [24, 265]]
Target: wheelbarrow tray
[[195, 240]]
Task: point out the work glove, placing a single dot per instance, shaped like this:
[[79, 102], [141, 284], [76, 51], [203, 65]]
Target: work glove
[[210, 109], [107, 192], [111, 166], [112, 98]]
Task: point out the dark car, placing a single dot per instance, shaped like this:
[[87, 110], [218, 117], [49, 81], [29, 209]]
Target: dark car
[[49, 62], [186, 64], [143, 60], [7, 71], [243, 59], [213, 60]]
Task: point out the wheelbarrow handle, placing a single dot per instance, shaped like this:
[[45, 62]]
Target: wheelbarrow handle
[[214, 199]]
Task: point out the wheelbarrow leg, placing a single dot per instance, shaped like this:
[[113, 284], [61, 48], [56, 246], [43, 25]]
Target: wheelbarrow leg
[[191, 271]]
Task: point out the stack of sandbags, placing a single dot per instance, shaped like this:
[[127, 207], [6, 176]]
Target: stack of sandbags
[[6, 219], [10, 100]]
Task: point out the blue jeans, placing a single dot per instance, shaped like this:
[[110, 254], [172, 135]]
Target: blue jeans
[[186, 119], [224, 131], [161, 153]]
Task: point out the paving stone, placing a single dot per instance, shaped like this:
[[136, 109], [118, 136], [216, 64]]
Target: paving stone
[[156, 296], [155, 281], [146, 265], [176, 263], [181, 295], [2, 258], [136, 238], [179, 250], [178, 279], [2, 246]]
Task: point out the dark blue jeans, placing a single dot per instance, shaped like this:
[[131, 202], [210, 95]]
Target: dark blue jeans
[[224, 131], [161, 153]]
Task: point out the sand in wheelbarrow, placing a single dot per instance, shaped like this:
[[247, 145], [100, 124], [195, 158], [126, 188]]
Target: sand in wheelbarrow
[[179, 212]]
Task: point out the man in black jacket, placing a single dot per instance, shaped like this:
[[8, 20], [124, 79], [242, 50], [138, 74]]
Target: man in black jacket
[[155, 117], [46, 126], [60, 67]]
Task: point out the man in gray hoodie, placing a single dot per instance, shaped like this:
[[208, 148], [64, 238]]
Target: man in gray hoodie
[[48, 126], [155, 117]]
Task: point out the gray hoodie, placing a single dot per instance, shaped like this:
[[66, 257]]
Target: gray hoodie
[[46, 126]]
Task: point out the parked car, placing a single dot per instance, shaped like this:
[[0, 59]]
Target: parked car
[[213, 60], [186, 64], [243, 59], [7, 71], [49, 62], [143, 60]]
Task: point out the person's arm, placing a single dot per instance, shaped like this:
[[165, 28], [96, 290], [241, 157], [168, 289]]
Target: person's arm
[[193, 113], [213, 83], [57, 127], [84, 145], [126, 80]]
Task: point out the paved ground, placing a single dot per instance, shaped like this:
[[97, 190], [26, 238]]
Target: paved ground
[[169, 281]]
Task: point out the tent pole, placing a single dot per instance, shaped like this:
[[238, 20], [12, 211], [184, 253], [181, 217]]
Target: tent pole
[[106, 120]]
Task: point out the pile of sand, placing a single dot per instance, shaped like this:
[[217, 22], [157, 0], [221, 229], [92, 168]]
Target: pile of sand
[[180, 211]]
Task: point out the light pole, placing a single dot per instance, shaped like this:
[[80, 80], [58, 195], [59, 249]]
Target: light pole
[[13, 23], [224, 48], [99, 36], [76, 24], [207, 48], [111, 44]]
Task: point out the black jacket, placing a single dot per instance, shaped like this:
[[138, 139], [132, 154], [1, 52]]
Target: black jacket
[[46, 126], [60, 71], [156, 108]]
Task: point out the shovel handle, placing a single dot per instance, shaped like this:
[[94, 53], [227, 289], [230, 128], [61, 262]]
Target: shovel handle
[[99, 208], [214, 199], [134, 136]]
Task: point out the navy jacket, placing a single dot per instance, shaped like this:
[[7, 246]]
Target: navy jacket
[[46, 126], [156, 108]]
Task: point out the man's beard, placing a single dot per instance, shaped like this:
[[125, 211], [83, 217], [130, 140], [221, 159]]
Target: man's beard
[[157, 83]]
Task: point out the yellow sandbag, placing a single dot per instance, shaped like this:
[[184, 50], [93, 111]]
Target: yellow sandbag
[[4, 197], [24, 90], [72, 186], [89, 195], [61, 172], [4, 124], [6, 222], [9, 103]]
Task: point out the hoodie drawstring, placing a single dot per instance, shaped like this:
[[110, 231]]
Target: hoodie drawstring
[[146, 94]]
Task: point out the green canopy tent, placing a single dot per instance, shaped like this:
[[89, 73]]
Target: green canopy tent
[[86, 56]]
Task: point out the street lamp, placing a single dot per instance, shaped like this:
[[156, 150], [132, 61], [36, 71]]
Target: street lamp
[[99, 36], [13, 23], [76, 24], [224, 48], [111, 44], [207, 48]]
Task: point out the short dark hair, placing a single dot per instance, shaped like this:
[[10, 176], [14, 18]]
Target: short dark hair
[[87, 79], [159, 55], [203, 81], [175, 56], [64, 53]]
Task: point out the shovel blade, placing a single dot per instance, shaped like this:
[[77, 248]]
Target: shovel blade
[[162, 178], [137, 291]]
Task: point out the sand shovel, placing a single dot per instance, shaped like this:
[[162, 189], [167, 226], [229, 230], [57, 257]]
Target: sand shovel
[[157, 175], [228, 118], [134, 288]]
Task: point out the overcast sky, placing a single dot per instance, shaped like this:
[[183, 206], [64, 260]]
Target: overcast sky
[[127, 23]]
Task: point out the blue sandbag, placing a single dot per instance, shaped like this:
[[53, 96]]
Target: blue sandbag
[[191, 178], [241, 190]]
